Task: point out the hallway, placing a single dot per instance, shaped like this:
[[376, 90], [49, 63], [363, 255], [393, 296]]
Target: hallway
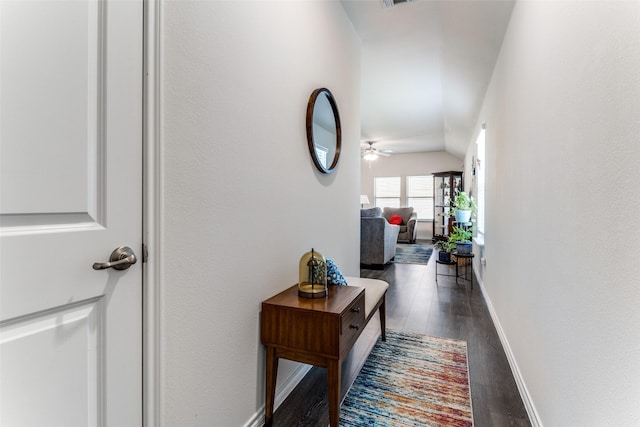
[[416, 303]]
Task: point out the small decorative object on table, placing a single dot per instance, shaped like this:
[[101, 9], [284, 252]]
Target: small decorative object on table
[[312, 280], [334, 275]]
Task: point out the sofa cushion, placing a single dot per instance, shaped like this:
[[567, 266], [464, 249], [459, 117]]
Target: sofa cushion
[[334, 276], [395, 219], [373, 291]]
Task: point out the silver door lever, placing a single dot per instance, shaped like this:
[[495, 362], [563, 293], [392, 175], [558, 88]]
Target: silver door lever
[[120, 259]]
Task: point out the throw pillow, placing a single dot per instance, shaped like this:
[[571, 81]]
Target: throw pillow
[[334, 276], [395, 219]]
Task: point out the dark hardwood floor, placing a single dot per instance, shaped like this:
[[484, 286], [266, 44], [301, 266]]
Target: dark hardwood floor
[[416, 303]]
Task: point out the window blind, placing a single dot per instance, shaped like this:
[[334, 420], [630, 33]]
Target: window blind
[[387, 191], [420, 195]]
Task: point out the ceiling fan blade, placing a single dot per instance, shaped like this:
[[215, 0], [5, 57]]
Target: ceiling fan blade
[[372, 151]]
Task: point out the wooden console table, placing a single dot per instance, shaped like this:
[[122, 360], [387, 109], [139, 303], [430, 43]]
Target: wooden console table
[[318, 332]]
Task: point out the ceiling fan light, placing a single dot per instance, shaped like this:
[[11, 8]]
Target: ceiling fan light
[[370, 156]]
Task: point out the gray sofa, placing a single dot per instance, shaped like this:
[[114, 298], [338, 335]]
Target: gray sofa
[[377, 238], [408, 230]]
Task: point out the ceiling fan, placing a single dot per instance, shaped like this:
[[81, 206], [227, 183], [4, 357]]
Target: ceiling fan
[[371, 153]]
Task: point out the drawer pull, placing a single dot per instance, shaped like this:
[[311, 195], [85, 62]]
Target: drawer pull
[[356, 327], [356, 310]]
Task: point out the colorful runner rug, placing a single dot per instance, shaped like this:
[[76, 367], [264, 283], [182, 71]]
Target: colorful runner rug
[[411, 380]]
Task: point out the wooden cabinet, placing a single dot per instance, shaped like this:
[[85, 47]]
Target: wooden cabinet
[[318, 331], [445, 187]]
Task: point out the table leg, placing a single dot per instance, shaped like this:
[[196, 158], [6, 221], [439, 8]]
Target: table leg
[[270, 384], [334, 368], [383, 317]]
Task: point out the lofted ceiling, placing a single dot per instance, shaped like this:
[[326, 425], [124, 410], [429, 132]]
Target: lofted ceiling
[[426, 65]]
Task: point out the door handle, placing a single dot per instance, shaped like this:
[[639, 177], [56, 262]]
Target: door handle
[[121, 259]]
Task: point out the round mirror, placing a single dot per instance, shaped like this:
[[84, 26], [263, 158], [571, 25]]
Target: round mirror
[[323, 130]]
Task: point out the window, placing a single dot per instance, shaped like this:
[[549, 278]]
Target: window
[[387, 191], [321, 152], [480, 168], [420, 195]]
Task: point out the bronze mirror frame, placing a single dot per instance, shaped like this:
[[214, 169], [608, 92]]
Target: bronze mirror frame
[[310, 137]]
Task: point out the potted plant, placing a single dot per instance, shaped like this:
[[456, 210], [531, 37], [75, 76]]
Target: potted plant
[[444, 249], [461, 238], [464, 207]]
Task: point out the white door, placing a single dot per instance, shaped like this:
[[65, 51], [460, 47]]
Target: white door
[[70, 193]]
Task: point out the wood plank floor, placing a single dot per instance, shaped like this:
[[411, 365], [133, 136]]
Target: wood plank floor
[[416, 303]]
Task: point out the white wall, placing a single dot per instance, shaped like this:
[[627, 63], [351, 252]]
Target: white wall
[[404, 165], [242, 200], [563, 157]]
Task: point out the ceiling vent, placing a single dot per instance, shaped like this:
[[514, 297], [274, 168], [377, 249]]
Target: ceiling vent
[[391, 3]]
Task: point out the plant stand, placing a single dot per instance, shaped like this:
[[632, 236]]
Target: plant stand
[[468, 267], [446, 263]]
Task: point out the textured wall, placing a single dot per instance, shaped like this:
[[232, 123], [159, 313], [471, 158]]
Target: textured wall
[[563, 159], [242, 200]]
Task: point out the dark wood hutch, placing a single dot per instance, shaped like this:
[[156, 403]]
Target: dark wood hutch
[[445, 187]]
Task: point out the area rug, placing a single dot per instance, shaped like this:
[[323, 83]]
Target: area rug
[[413, 253], [411, 380]]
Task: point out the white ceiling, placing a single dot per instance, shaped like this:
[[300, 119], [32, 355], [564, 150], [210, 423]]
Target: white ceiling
[[426, 65]]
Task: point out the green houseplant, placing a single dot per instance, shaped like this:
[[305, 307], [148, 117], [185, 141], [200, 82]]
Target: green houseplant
[[464, 207], [444, 249], [461, 239]]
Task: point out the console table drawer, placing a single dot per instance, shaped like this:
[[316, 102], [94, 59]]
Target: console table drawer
[[353, 319]]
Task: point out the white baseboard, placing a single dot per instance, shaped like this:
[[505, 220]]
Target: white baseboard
[[522, 387], [257, 420]]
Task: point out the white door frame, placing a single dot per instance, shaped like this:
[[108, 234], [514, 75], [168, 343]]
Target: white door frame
[[152, 219]]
